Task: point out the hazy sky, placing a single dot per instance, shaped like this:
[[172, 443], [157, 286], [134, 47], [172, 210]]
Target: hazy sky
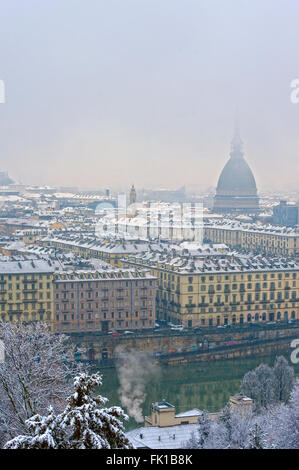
[[103, 93]]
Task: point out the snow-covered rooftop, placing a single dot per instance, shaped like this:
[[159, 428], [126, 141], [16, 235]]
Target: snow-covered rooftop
[[154, 437]]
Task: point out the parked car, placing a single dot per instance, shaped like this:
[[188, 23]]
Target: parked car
[[177, 328], [111, 331], [197, 328], [115, 334], [127, 332]]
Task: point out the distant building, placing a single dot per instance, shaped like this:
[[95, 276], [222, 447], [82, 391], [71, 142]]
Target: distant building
[[241, 402], [163, 414], [166, 430], [236, 190], [166, 195], [132, 195], [265, 239], [285, 214]]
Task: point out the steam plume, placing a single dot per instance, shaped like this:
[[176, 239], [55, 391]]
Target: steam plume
[[135, 370]]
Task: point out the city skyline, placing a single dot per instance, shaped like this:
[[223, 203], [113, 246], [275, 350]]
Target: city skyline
[[114, 93]]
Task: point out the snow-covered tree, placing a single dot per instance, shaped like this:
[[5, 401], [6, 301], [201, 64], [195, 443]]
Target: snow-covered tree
[[266, 385], [225, 419], [240, 423], [84, 424], [192, 442], [199, 439], [276, 425], [36, 373], [257, 437], [283, 379], [204, 429], [258, 384]]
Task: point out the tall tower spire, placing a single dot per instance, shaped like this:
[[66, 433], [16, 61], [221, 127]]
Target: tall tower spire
[[236, 144], [132, 195]]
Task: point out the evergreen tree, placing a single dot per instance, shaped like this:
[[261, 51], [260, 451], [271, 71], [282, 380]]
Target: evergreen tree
[[204, 429], [84, 424], [257, 437], [225, 419]]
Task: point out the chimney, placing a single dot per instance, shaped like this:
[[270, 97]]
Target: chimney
[[141, 436]]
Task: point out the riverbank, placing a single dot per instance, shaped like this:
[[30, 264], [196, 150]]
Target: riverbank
[[190, 346]]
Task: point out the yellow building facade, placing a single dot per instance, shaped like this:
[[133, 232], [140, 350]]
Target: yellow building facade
[[26, 291], [212, 298], [279, 243]]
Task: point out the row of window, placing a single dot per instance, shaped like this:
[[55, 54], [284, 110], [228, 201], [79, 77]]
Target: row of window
[[249, 277], [105, 315]]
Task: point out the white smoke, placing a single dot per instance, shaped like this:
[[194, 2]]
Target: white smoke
[[135, 370]]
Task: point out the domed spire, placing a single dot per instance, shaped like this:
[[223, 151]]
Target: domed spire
[[236, 144], [236, 188]]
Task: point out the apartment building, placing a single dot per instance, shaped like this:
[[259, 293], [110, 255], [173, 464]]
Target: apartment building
[[228, 288], [109, 251], [104, 299], [270, 240], [26, 290]]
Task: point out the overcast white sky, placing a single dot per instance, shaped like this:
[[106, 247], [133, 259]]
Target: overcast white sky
[[103, 93]]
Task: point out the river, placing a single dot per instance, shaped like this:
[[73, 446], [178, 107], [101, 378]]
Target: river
[[200, 385]]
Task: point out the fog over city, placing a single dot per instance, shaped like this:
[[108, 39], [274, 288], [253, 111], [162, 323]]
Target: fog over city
[[147, 91]]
